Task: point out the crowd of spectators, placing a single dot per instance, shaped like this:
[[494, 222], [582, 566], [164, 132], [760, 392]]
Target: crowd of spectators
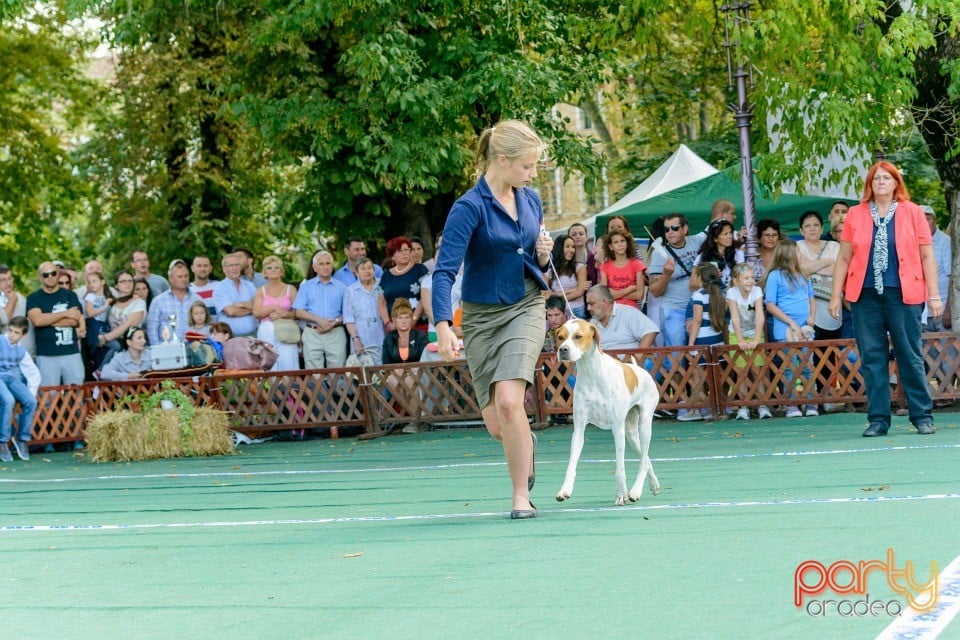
[[101, 325], [783, 298]]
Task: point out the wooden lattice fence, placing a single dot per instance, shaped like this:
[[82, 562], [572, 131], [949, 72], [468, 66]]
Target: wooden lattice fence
[[712, 378]]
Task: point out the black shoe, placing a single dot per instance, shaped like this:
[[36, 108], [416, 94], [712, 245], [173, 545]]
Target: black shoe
[[524, 514], [925, 428], [532, 478], [876, 429]]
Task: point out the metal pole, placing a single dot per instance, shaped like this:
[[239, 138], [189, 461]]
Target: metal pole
[[743, 114]]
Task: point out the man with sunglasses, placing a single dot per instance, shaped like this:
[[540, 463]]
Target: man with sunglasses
[[57, 318], [669, 273]]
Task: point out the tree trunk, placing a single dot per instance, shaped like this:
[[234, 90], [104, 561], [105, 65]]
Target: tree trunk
[[937, 114]]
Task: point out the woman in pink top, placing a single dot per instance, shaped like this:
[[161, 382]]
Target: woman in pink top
[[273, 301], [886, 271], [622, 272]]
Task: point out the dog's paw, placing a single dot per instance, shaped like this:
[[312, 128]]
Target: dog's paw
[[621, 499], [633, 496], [654, 487], [563, 495]]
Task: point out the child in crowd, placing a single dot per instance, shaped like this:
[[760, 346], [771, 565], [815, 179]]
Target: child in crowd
[[622, 272], [707, 314], [745, 305], [199, 318], [96, 307], [556, 316], [14, 361], [708, 306], [220, 332], [789, 299]]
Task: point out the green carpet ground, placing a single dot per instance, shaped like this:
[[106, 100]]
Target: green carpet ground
[[408, 536]]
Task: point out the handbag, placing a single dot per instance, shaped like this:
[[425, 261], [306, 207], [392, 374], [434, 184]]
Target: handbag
[[248, 353], [286, 331]]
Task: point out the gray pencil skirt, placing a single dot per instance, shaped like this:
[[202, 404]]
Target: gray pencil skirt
[[503, 341]]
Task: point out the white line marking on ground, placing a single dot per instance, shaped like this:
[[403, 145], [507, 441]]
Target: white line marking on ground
[[451, 516], [927, 626], [461, 465]]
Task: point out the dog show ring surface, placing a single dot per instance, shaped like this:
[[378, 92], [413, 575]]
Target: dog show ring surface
[[410, 537]]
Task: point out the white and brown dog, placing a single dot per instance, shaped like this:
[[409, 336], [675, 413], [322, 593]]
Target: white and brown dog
[[612, 395]]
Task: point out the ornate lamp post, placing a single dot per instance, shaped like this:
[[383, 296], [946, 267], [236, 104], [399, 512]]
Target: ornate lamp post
[[738, 72]]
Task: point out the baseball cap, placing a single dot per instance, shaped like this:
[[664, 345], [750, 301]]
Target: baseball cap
[[927, 210], [174, 263]]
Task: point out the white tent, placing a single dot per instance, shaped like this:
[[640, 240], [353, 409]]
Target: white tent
[[681, 168]]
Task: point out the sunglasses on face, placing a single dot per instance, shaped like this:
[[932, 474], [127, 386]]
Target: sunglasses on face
[[673, 227], [48, 274]]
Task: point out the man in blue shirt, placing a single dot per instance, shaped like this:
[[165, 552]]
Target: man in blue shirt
[[233, 297], [319, 305], [175, 302], [942, 254]]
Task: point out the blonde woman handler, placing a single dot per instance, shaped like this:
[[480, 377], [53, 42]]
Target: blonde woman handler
[[494, 230]]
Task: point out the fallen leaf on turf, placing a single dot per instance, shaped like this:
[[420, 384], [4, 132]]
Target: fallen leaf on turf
[[353, 555]]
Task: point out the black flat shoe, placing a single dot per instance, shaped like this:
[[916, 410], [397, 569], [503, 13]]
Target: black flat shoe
[[524, 514], [532, 478], [876, 429], [925, 428]]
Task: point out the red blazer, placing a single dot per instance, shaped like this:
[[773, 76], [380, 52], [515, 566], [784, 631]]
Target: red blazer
[[911, 230]]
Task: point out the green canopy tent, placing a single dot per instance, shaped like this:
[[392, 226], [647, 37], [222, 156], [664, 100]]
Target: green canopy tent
[[695, 199]]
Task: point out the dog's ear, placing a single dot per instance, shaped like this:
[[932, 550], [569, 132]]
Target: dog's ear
[[560, 333], [595, 336]]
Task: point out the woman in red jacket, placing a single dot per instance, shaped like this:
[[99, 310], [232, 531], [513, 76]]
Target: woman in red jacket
[[886, 270]]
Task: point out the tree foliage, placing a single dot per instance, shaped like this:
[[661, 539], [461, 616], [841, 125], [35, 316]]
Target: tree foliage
[[868, 74], [384, 99], [269, 123], [43, 100], [257, 123]]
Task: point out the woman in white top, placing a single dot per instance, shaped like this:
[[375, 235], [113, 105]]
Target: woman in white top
[[567, 276], [817, 258], [127, 311]]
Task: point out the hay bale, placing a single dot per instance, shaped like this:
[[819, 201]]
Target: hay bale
[[125, 435], [211, 433], [103, 434]]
